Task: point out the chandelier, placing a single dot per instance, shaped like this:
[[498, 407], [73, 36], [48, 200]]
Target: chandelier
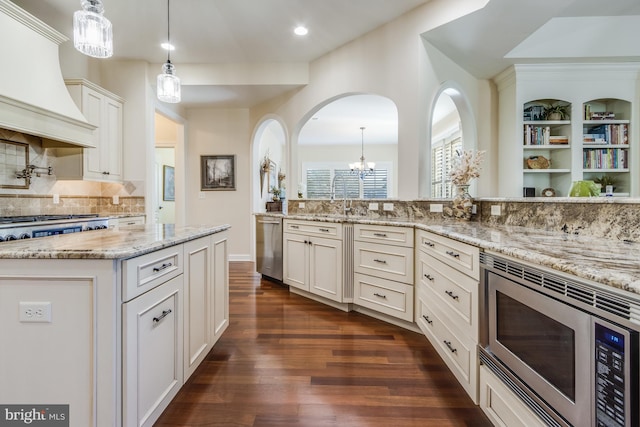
[[168, 84], [92, 32], [362, 168]]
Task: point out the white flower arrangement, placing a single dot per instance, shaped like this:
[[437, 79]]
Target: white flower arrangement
[[466, 166]]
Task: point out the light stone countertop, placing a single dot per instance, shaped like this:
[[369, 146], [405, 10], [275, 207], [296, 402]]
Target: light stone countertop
[[119, 243], [608, 262]]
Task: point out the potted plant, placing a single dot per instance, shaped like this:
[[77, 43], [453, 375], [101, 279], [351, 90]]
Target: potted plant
[[605, 180], [556, 112], [276, 193]]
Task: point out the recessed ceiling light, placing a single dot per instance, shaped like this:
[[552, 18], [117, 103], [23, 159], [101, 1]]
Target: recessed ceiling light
[[301, 30], [168, 46]]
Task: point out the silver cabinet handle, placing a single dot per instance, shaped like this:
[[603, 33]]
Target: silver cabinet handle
[[106, 173], [453, 254], [164, 314], [326, 230], [294, 226], [451, 294], [380, 234], [426, 318], [380, 295], [448, 344], [162, 267], [380, 261], [428, 243], [428, 277]]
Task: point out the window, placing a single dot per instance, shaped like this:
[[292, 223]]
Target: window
[[318, 179], [442, 153]]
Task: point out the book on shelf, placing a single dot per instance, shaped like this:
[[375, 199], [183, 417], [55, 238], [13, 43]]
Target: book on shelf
[[614, 134], [605, 158], [558, 140], [536, 135], [597, 115]]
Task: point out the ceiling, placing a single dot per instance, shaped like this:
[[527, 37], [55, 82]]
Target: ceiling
[[484, 43]]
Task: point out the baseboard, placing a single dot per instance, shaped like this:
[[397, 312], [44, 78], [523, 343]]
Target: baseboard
[[236, 257]]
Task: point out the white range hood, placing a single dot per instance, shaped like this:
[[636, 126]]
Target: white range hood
[[33, 97]]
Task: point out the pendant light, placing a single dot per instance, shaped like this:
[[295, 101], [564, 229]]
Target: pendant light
[[92, 32], [362, 168], [168, 83]]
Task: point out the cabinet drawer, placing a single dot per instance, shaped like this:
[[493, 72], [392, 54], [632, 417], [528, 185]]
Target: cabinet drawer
[[455, 292], [400, 236], [501, 406], [459, 352], [458, 255], [314, 228], [384, 296], [388, 262], [147, 271]]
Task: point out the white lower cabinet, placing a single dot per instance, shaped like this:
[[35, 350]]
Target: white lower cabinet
[[311, 261], [447, 281], [383, 265], [501, 406], [152, 352], [171, 320]]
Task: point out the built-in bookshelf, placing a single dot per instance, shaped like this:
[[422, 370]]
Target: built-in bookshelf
[[546, 145], [606, 142]]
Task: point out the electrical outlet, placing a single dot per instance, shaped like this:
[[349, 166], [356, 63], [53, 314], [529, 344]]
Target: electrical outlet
[[435, 207], [301, 205], [36, 312], [474, 209], [56, 199], [387, 206], [116, 200], [373, 206], [496, 210]]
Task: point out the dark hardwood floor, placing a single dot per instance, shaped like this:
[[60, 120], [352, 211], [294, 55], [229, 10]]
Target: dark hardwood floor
[[289, 361]]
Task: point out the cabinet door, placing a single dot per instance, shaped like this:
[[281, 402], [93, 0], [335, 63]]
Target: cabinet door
[[111, 143], [295, 249], [198, 303], [325, 268], [220, 273], [152, 352], [92, 111]]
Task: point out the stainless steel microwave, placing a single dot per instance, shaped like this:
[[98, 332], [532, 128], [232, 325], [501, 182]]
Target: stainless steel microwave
[[580, 363]]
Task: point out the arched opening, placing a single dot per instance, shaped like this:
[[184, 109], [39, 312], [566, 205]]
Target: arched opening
[[270, 162], [335, 138], [451, 129]]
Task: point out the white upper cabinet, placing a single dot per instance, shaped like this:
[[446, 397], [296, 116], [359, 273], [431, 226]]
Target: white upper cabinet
[[104, 110]]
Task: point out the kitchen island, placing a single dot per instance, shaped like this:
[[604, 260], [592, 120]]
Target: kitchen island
[[110, 322]]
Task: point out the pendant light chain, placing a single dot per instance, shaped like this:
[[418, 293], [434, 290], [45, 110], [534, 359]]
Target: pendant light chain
[[168, 33]]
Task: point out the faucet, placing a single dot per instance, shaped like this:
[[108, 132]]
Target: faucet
[[345, 209]]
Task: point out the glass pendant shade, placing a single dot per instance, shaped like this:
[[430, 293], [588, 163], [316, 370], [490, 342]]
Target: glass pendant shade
[[92, 32], [362, 168], [168, 84]]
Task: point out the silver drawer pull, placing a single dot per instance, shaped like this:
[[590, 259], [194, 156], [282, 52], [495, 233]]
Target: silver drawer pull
[[428, 277], [426, 318], [380, 261], [380, 234], [294, 226], [451, 294], [326, 230], [164, 314], [453, 254], [162, 267], [428, 243], [380, 295], [448, 344]]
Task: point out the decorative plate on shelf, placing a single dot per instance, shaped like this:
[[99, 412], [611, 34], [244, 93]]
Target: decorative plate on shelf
[[548, 192]]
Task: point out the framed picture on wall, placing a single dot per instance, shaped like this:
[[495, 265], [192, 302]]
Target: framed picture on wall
[[168, 183], [218, 172]]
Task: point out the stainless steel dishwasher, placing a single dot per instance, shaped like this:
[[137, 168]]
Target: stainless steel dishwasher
[[269, 246]]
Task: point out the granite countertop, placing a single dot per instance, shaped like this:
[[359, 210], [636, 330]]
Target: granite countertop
[[122, 243], [612, 263]]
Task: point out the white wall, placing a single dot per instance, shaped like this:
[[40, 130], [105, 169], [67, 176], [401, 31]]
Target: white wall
[[222, 132]]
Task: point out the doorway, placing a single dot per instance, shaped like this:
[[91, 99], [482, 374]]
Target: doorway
[[168, 170]]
